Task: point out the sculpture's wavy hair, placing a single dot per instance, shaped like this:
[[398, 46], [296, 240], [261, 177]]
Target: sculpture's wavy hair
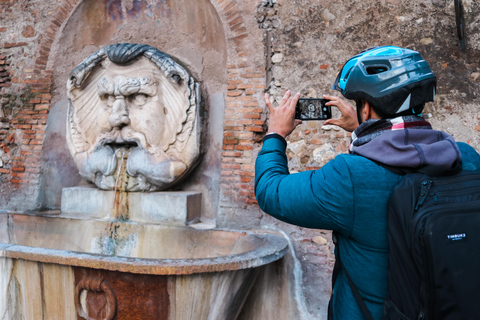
[[123, 53]]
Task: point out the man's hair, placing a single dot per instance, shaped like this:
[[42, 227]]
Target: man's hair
[[384, 115]]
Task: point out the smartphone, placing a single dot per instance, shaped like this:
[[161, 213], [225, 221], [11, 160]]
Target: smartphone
[[312, 109]]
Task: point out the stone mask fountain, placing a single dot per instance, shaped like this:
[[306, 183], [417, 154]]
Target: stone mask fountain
[[122, 247]]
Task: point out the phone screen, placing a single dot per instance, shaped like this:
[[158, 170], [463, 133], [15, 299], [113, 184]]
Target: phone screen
[[312, 109]]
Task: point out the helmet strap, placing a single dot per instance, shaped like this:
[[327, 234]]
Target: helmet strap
[[360, 106]]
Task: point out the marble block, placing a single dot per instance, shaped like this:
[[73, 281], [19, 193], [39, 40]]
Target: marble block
[[169, 208]]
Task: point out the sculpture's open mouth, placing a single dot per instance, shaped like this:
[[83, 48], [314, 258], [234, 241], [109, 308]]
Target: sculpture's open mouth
[[125, 145]]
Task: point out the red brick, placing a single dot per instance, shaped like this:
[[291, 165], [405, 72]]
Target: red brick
[[15, 180], [255, 129], [230, 166], [234, 93], [246, 141], [22, 126], [230, 141], [245, 122], [17, 175], [236, 20], [244, 147], [245, 86], [14, 44], [3, 170], [18, 169], [233, 128], [251, 116], [226, 172], [40, 116], [247, 167], [228, 6], [244, 173], [231, 154], [244, 110]]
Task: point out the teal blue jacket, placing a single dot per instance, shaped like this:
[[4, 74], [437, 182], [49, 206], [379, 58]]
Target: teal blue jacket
[[348, 195]]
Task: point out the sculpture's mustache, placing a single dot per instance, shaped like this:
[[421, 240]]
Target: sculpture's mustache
[[124, 136], [147, 167]]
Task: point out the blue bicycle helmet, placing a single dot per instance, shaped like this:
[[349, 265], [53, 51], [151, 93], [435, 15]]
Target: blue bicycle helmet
[[394, 80]]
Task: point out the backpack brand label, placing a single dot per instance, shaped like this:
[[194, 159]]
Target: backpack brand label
[[456, 237]]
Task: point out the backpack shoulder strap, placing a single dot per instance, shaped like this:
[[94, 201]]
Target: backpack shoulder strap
[[336, 269]]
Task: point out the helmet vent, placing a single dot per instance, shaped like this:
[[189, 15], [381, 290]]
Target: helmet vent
[[376, 69]]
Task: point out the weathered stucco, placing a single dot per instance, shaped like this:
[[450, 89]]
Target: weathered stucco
[[236, 50]]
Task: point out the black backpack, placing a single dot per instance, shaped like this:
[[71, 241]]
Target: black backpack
[[434, 250]]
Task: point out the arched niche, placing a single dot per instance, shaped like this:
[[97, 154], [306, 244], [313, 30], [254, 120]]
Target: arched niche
[[191, 32]]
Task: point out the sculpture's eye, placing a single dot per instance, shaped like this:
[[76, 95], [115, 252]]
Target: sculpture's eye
[[139, 99], [108, 99]]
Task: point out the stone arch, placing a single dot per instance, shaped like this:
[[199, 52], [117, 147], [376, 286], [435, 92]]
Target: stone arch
[[226, 9], [241, 94]]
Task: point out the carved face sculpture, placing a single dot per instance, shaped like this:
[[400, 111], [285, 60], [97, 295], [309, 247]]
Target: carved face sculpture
[[132, 119]]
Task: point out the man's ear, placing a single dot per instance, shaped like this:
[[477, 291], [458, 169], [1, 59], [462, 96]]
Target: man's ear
[[368, 112]]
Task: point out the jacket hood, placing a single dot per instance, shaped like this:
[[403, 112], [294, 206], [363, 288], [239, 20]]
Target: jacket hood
[[413, 150]]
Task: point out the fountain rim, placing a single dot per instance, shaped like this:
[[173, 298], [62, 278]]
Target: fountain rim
[[274, 248]]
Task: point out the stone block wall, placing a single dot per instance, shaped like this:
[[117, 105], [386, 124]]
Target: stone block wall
[[271, 45]]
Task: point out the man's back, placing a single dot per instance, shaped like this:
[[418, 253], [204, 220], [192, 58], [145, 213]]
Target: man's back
[[348, 195]]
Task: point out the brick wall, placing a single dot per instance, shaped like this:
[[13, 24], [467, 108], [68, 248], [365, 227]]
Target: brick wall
[[242, 125], [25, 90]]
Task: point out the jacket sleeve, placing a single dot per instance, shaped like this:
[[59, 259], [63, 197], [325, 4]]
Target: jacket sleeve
[[320, 199]]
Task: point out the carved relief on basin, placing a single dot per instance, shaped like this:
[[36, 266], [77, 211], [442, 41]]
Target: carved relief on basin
[[133, 107]]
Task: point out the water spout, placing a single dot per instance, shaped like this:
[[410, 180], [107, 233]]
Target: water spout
[[120, 204]]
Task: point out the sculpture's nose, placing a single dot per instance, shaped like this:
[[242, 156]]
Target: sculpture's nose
[[119, 116]]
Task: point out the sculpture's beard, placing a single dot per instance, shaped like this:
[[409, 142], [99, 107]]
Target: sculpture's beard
[[123, 160]]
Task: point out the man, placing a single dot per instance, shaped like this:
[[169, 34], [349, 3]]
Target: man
[[349, 195]]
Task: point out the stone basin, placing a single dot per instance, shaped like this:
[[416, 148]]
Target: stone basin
[[94, 266]]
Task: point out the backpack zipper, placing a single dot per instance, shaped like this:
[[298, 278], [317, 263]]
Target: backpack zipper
[[453, 193], [425, 187]]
